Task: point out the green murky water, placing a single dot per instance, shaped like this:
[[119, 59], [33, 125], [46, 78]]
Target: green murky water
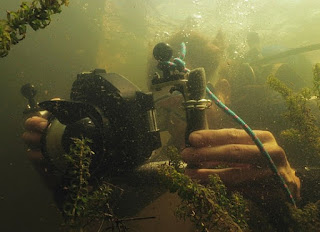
[[119, 36]]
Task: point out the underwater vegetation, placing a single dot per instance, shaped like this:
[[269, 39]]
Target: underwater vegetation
[[306, 219], [304, 133], [76, 180], [209, 207], [84, 203], [36, 14], [87, 204]]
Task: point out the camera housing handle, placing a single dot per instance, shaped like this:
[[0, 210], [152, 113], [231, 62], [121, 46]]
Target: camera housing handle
[[191, 84]]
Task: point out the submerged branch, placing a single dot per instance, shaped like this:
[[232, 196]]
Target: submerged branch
[[287, 53]]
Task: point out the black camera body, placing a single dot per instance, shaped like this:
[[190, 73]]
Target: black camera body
[[117, 116], [111, 111]]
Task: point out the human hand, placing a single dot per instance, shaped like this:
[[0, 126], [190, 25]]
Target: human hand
[[32, 136], [245, 169], [35, 127]]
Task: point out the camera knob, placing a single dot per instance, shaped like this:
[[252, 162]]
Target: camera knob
[[162, 52], [28, 91]]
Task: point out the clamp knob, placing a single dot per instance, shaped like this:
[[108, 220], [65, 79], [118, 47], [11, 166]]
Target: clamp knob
[[162, 52]]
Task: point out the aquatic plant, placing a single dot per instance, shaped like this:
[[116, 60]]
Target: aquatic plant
[[83, 202], [36, 14], [306, 219], [174, 157], [212, 208], [87, 203], [209, 207], [76, 180], [305, 137], [304, 133]]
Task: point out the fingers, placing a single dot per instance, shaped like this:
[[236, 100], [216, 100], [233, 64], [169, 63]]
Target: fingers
[[293, 182], [34, 129], [36, 124], [234, 149], [234, 153], [204, 138], [32, 139]]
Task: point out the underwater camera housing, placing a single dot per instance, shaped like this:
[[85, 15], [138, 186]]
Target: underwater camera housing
[[119, 118], [112, 112]]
